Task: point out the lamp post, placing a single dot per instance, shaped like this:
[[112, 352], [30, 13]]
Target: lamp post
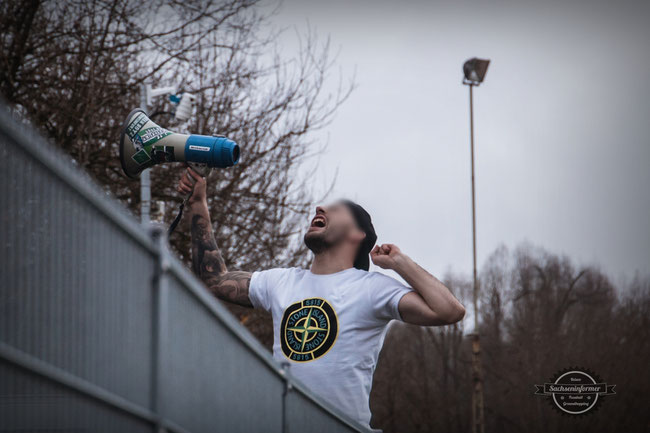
[[145, 179], [474, 70]]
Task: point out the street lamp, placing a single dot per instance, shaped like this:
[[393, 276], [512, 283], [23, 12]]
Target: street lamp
[[474, 71]]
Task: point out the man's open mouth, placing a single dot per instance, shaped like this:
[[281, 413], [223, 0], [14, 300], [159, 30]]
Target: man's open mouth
[[319, 221]]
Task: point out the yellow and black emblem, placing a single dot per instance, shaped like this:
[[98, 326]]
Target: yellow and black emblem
[[309, 329]]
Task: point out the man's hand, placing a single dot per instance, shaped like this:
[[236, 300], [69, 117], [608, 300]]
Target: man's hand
[[192, 182], [386, 256]]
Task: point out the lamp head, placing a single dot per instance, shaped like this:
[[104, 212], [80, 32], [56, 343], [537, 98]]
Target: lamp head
[[184, 108], [474, 70]]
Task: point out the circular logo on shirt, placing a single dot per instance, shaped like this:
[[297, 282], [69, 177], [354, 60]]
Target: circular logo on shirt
[[309, 329]]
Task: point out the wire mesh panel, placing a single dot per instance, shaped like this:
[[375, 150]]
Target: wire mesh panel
[[304, 414], [210, 381], [75, 287], [31, 403]]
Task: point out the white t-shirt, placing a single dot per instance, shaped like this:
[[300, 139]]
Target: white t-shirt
[[330, 328]]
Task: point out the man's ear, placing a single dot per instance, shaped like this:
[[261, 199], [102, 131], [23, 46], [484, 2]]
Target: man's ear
[[357, 235]]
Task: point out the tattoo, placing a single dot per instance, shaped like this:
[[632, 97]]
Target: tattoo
[[231, 287], [209, 265], [203, 241]]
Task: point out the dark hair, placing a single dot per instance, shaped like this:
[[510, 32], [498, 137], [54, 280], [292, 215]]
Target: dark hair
[[364, 222]]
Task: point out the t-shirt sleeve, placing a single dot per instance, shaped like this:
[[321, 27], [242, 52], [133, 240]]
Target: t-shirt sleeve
[[262, 285], [385, 294]]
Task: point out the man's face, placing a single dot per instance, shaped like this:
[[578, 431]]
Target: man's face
[[332, 225]]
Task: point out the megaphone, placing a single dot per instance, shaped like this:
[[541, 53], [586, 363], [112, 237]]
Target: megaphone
[[144, 144]]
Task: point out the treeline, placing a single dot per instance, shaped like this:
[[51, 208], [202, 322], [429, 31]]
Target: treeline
[[539, 314]]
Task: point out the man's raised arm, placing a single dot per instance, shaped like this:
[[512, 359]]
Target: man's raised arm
[[431, 303], [207, 262]]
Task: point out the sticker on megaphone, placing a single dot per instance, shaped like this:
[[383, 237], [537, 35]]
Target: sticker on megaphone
[[144, 144]]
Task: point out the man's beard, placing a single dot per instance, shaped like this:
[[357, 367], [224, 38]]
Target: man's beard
[[317, 242]]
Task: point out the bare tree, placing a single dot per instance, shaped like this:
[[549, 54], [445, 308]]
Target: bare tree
[[74, 69]]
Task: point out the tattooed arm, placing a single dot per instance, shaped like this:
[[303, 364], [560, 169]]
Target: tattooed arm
[[207, 262]]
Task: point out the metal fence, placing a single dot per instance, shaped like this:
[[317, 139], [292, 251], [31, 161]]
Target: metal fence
[[102, 329]]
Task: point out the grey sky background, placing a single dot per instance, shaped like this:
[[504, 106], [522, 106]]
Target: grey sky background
[[562, 144]]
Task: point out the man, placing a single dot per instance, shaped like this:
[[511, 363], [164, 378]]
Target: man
[[329, 321]]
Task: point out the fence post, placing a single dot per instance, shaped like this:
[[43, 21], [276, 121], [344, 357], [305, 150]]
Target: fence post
[[287, 388], [159, 316]]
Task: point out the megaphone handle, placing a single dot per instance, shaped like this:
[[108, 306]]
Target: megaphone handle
[[179, 216]]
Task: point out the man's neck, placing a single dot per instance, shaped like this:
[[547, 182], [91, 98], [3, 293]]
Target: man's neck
[[330, 262]]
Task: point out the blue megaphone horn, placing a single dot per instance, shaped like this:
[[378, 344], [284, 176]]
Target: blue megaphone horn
[[144, 144]]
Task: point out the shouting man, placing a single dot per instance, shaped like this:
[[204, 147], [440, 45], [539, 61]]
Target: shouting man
[[329, 321]]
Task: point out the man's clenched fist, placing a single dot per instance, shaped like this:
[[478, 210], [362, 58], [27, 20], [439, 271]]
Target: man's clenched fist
[[192, 182], [386, 256]]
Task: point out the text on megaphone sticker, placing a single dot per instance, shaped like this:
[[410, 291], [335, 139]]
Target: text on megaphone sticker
[[201, 148]]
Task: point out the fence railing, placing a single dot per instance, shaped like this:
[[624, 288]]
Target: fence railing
[[102, 329]]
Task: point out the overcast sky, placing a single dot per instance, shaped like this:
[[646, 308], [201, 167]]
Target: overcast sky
[[562, 143]]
